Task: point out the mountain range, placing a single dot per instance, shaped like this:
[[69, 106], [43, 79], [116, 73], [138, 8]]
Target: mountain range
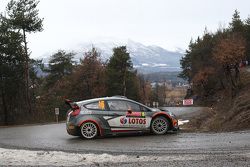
[[146, 59]]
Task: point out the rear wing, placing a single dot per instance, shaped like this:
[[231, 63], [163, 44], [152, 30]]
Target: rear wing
[[71, 104]]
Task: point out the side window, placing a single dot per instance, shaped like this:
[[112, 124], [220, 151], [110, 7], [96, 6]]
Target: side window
[[133, 106], [99, 105], [94, 106], [144, 109], [117, 105]]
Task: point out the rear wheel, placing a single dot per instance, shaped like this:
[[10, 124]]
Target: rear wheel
[[159, 125], [89, 130]]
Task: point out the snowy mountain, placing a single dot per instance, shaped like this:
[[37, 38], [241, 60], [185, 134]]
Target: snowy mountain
[[146, 59]]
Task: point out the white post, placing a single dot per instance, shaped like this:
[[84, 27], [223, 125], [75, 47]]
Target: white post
[[57, 114]]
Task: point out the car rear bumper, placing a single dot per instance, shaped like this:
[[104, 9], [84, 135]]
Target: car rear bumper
[[72, 129]]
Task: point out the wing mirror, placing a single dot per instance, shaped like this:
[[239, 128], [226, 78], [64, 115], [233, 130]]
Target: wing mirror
[[129, 111]]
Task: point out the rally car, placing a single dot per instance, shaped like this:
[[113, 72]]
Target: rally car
[[115, 115]]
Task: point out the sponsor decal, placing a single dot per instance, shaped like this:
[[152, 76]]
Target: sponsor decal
[[136, 114], [133, 121], [123, 120], [143, 114], [137, 121]]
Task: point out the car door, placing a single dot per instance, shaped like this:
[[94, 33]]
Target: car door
[[126, 116], [117, 113], [138, 116]]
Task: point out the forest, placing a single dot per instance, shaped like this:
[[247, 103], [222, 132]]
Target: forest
[[212, 62]]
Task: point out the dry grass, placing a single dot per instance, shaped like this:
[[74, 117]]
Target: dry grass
[[235, 115], [199, 122], [229, 114]]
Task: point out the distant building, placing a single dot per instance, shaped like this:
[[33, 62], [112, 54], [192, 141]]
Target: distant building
[[176, 95]]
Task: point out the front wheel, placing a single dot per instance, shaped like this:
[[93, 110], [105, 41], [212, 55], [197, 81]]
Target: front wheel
[[159, 125], [89, 130]]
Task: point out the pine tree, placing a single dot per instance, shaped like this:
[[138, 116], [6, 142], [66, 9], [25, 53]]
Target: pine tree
[[60, 65], [11, 71], [247, 35], [23, 16], [236, 24], [121, 77], [118, 68]]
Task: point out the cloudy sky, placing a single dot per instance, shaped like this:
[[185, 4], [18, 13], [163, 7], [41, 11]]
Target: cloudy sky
[[167, 23]]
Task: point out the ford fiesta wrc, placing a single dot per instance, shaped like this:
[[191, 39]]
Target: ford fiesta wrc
[[115, 115]]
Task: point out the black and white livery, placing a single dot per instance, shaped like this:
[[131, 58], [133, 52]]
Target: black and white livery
[[115, 115]]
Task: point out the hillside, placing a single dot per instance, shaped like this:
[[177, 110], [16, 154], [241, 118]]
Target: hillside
[[227, 114], [237, 115]]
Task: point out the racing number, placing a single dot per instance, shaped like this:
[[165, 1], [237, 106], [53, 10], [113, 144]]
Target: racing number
[[101, 104]]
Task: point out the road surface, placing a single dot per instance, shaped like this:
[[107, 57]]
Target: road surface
[[187, 113], [51, 145]]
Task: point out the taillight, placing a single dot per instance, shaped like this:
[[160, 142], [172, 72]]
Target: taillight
[[76, 111]]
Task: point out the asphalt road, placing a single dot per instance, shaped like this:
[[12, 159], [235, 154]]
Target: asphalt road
[[183, 149], [187, 113]]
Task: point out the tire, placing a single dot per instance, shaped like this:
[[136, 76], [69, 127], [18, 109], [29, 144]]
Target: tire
[[159, 125], [89, 130]]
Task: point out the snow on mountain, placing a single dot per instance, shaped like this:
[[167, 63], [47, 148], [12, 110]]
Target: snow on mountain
[[145, 58]]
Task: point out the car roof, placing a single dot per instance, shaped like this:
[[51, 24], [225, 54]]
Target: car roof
[[83, 102], [102, 98]]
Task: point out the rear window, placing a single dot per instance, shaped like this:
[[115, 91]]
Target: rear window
[[98, 105]]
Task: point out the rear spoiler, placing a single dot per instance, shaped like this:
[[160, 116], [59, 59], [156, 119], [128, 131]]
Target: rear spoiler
[[71, 104]]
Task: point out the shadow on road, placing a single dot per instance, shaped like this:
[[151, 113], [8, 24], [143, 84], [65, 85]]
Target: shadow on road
[[122, 136]]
